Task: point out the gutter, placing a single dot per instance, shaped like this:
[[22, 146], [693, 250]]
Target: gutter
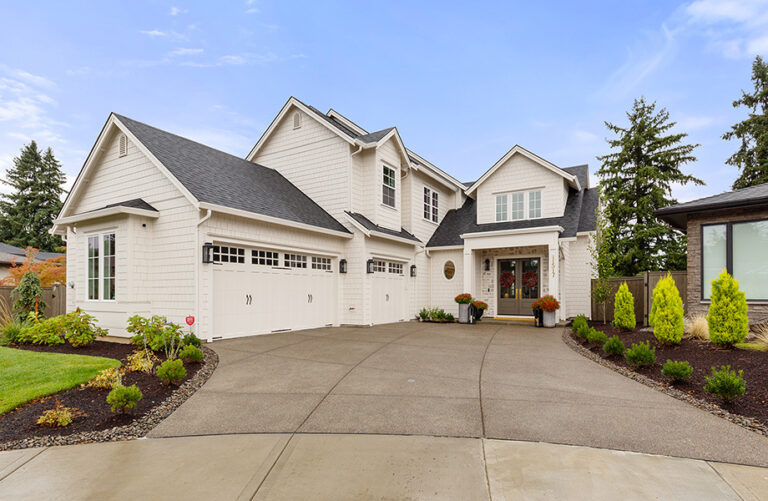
[[198, 260]]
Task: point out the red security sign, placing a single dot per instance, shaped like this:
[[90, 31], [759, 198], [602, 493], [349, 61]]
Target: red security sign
[[190, 320]]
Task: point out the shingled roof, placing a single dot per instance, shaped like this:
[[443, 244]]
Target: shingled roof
[[369, 225], [579, 216], [219, 178], [676, 215]]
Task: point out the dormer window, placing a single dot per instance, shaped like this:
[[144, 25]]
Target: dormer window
[[513, 206], [123, 148], [430, 204], [388, 186], [534, 204], [296, 120]]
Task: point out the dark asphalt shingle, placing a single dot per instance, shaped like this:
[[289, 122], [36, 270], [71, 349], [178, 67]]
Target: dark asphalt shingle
[[219, 178], [368, 225], [136, 203]]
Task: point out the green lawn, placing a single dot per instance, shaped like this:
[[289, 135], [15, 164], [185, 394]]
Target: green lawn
[[26, 375]]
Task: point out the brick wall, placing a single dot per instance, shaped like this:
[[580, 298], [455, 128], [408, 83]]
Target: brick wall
[[757, 311]]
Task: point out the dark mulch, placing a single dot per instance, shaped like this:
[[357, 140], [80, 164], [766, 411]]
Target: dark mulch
[[21, 422], [702, 356]]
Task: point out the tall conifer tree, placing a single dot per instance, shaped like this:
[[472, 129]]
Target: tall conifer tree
[[635, 179]]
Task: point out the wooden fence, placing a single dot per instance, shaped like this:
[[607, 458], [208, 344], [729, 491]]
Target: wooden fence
[[641, 288], [55, 298]]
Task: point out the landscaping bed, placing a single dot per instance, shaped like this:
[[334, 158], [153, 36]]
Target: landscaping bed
[[702, 356], [19, 428]]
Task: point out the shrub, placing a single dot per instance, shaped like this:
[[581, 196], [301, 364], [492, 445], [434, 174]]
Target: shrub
[[761, 334], [614, 346], [725, 383], [49, 332], [124, 397], [155, 333], [106, 379], [666, 315], [80, 328], [191, 353], [11, 332], [727, 318], [624, 309], [641, 354], [595, 336], [58, 416], [449, 317], [437, 314], [172, 371], [696, 328], [677, 371], [463, 298], [424, 314], [141, 361], [580, 322], [546, 303], [27, 295], [192, 340]]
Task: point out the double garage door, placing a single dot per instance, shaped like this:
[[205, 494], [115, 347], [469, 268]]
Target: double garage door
[[258, 291]]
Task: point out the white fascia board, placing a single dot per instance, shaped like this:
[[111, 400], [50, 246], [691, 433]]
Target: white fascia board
[[272, 220], [438, 171], [585, 233], [349, 123], [572, 180], [362, 229], [394, 238], [445, 248], [517, 231], [286, 107], [109, 211]]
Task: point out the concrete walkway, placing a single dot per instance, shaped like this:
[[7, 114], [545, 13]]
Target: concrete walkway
[[489, 381], [355, 467]]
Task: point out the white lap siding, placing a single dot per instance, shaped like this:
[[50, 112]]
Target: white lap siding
[[444, 290], [578, 279]]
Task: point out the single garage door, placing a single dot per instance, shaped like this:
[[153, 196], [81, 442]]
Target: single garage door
[[388, 292], [259, 291]]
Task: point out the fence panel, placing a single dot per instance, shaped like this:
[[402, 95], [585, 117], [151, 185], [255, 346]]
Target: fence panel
[[636, 287], [55, 298]]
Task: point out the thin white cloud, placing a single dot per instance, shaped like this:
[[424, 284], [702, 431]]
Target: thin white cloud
[[735, 28], [186, 52], [175, 11], [153, 33]]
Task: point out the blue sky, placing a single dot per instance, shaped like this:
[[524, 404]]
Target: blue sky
[[462, 84]]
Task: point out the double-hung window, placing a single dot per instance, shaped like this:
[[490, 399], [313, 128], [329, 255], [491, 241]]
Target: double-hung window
[[534, 204], [388, 186], [501, 207], [513, 207], [739, 248], [516, 206], [430, 204], [101, 267]]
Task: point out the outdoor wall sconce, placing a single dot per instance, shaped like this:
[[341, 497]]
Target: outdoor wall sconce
[[369, 266], [487, 265], [207, 252], [343, 266], [413, 270]]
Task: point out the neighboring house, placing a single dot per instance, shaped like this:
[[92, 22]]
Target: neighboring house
[[323, 223], [726, 231], [10, 256]]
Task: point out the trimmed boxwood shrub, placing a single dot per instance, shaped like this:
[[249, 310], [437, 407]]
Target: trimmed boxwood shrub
[[727, 318], [666, 315], [595, 336], [191, 339], [191, 353], [677, 370], [614, 346], [124, 397], [624, 309], [641, 354], [172, 371], [579, 323], [725, 383]]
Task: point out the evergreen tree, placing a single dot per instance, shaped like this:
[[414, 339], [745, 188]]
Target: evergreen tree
[[636, 180], [27, 213], [752, 156]]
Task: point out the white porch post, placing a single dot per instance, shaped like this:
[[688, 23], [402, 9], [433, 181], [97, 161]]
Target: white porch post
[[469, 270], [554, 276]]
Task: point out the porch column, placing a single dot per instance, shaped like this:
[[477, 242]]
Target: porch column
[[554, 276], [469, 271]]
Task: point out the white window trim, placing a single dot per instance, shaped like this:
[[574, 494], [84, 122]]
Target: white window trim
[[526, 205], [432, 193], [100, 260], [394, 189]]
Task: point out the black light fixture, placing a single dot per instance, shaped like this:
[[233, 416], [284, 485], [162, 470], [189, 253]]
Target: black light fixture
[[343, 266], [413, 270], [207, 252], [369, 266], [487, 265]]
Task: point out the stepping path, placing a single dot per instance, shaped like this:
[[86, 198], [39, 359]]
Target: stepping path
[[481, 381]]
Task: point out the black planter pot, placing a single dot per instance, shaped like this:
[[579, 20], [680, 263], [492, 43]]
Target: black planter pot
[[538, 317], [478, 313]]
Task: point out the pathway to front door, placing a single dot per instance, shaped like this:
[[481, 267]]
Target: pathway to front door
[[519, 285]]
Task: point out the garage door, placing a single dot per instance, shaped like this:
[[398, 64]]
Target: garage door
[[259, 291], [388, 292]]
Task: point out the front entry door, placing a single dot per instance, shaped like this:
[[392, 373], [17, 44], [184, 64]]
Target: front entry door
[[519, 285]]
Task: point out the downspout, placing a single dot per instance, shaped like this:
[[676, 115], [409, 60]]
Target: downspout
[[198, 260]]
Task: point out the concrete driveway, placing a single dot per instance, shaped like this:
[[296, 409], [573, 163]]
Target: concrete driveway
[[488, 380]]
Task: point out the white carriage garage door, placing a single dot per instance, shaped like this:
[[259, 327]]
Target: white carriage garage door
[[259, 291], [388, 292]]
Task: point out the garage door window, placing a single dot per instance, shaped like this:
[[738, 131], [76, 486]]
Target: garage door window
[[379, 266], [222, 254], [266, 258], [396, 268], [295, 261], [321, 263]]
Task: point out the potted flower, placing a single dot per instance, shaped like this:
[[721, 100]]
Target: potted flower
[[479, 307], [464, 301], [549, 305]]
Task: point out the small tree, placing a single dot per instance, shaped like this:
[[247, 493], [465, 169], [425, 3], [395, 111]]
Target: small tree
[[50, 271], [602, 260], [727, 318], [27, 295], [624, 309], [666, 315]]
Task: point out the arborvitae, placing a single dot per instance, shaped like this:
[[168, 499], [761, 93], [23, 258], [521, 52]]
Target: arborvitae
[[727, 318], [666, 315], [624, 309]]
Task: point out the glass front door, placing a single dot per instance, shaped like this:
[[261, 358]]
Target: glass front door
[[519, 285]]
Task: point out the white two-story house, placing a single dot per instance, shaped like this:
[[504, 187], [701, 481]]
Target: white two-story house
[[323, 223]]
